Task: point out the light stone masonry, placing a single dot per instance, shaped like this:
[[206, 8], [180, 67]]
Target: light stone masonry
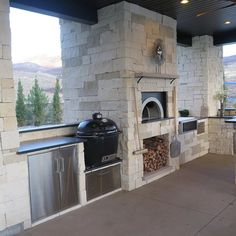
[[14, 195], [14, 200], [221, 136], [47, 133], [7, 110], [103, 59], [200, 70], [6, 52], [10, 123], [194, 145]]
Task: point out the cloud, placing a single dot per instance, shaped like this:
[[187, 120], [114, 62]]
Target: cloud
[[229, 50]]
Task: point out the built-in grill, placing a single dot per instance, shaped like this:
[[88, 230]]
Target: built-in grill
[[102, 140]]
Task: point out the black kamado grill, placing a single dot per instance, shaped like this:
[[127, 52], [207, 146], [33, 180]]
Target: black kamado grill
[[102, 140]]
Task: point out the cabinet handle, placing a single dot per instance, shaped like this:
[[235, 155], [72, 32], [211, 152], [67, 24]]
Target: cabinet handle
[[62, 164], [57, 166], [104, 173]]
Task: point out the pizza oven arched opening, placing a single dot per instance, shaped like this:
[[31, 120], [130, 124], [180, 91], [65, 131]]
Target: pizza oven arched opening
[[152, 109]]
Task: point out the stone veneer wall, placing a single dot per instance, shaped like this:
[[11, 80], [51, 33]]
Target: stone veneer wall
[[194, 145], [221, 136], [99, 63], [47, 133], [200, 70], [121, 43], [14, 197]]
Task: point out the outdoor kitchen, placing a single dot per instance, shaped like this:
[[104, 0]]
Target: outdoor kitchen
[[124, 82], [123, 77]]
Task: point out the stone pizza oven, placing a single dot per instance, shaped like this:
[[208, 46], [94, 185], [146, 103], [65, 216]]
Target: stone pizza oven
[[153, 106], [104, 73], [157, 126]]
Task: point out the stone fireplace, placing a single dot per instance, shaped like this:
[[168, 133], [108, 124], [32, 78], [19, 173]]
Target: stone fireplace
[[109, 66]]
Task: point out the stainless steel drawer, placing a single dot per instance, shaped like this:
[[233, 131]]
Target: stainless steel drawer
[[102, 181]]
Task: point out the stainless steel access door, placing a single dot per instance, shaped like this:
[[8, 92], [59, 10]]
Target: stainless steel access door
[[68, 176], [44, 184]]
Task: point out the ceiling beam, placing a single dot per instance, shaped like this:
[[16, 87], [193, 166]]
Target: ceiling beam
[[225, 37], [184, 39], [68, 10]]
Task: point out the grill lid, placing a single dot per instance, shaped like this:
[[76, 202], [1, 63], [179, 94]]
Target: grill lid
[[96, 126]]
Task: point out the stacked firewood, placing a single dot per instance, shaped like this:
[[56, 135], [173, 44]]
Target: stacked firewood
[[157, 155]]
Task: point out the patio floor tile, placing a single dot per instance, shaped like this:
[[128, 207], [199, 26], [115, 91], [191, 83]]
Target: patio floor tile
[[219, 227], [200, 199]]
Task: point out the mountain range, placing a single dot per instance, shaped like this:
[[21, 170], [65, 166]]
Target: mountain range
[[230, 60], [230, 80], [35, 68], [46, 75]]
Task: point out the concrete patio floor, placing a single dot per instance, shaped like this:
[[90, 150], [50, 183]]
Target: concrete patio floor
[[200, 199]]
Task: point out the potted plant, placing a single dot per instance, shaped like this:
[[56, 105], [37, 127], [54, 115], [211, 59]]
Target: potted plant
[[184, 113], [221, 96]]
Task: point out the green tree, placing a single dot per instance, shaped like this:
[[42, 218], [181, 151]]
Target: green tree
[[20, 105], [38, 102], [56, 105]]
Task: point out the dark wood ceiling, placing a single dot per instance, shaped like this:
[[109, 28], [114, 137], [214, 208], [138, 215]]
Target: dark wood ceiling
[[187, 23]]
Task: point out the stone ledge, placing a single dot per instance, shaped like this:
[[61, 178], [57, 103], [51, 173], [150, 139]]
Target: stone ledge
[[46, 127], [150, 177]]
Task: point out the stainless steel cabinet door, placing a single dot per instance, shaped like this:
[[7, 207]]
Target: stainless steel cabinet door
[[93, 185], [110, 179], [68, 176], [44, 185]]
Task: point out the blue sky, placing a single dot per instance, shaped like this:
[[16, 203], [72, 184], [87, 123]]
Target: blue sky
[[37, 35]]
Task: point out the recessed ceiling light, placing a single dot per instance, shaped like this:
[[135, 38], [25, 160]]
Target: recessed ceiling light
[[227, 22], [184, 1]]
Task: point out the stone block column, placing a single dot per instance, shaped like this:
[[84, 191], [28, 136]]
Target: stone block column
[[14, 195], [8, 125], [200, 70], [99, 66]]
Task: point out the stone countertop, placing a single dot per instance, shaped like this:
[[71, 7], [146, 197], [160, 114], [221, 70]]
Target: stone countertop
[[42, 144], [233, 120], [46, 127], [222, 117], [215, 117], [156, 120], [202, 118], [192, 117]]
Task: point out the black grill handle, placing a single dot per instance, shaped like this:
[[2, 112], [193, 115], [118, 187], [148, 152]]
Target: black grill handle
[[97, 135], [88, 136], [104, 173], [97, 116]]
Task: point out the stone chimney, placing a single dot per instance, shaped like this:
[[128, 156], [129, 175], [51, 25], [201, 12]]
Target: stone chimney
[[100, 66]]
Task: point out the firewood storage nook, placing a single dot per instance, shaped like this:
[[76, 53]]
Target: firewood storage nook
[[158, 153]]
